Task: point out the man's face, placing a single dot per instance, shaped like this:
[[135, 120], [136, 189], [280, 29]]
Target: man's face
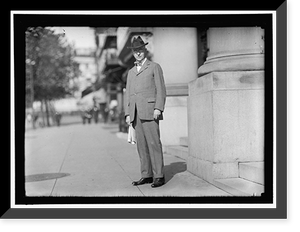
[[139, 53]]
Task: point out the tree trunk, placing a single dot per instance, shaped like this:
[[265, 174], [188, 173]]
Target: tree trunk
[[47, 113], [43, 112]]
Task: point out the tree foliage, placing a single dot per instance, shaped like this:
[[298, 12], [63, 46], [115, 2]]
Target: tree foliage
[[50, 62]]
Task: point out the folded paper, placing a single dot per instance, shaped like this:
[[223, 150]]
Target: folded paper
[[131, 135]]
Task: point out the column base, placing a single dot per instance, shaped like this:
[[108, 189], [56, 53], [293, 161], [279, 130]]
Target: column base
[[247, 62], [225, 123], [209, 171]]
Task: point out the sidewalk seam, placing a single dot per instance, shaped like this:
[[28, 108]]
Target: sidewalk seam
[[62, 164], [122, 168], [125, 172]]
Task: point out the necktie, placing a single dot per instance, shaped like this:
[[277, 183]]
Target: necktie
[[138, 63]]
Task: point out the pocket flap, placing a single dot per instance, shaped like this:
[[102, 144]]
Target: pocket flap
[[151, 99]]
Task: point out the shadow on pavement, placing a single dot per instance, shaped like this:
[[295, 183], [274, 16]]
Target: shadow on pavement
[[45, 176], [172, 169]]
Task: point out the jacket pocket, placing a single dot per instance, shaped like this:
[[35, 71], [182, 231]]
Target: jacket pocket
[[151, 100]]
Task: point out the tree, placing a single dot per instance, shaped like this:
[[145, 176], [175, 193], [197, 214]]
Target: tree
[[50, 66]]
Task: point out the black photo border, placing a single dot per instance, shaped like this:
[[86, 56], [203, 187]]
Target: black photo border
[[21, 21]]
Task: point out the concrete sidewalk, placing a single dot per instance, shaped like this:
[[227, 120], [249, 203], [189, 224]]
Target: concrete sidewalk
[[91, 160]]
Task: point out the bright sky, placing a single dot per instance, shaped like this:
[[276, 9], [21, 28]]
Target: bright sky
[[82, 37]]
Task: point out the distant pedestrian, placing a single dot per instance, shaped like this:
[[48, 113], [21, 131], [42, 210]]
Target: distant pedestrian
[[57, 118], [86, 114], [144, 105], [29, 118], [102, 103], [95, 110]]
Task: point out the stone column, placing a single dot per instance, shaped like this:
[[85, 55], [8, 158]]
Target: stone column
[[175, 49], [226, 104]]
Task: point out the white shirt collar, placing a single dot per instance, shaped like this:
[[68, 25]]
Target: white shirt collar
[[140, 66], [144, 61]]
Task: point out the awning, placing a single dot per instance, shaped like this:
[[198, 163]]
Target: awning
[[88, 90], [110, 42], [115, 75]]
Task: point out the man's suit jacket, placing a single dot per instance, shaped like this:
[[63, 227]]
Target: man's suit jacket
[[145, 91]]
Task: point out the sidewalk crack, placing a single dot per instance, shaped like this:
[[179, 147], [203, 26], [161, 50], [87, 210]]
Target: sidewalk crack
[[62, 164], [124, 171]]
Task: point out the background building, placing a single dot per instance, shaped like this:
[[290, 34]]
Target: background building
[[86, 59]]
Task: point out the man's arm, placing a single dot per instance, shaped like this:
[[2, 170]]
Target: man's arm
[[160, 88], [126, 100]]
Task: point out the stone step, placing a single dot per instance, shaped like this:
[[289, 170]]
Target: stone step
[[239, 187], [179, 151], [184, 141], [252, 171]]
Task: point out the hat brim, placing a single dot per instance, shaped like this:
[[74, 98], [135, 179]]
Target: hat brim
[[143, 45]]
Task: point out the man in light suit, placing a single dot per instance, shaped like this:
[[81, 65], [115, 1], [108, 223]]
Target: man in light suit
[[144, 105]]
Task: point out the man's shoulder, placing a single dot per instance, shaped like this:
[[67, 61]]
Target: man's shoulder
[[130, 70], [148, 62], [152, 63]]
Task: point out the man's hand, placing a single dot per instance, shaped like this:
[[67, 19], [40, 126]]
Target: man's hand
[[156, 114], [127, 120]]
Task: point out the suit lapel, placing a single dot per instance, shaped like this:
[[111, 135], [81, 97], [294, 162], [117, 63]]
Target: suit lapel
[[134, 70], [144, 67]]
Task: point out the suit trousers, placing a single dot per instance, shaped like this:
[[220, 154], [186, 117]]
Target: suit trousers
[[149, 147]]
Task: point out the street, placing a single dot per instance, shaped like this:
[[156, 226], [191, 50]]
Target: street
[[96, 160]]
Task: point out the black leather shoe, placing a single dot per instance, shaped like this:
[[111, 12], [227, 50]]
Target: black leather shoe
[[158, 182], [143, 181]]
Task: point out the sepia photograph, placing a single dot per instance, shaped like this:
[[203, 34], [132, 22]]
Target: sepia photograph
[[132, 109]]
